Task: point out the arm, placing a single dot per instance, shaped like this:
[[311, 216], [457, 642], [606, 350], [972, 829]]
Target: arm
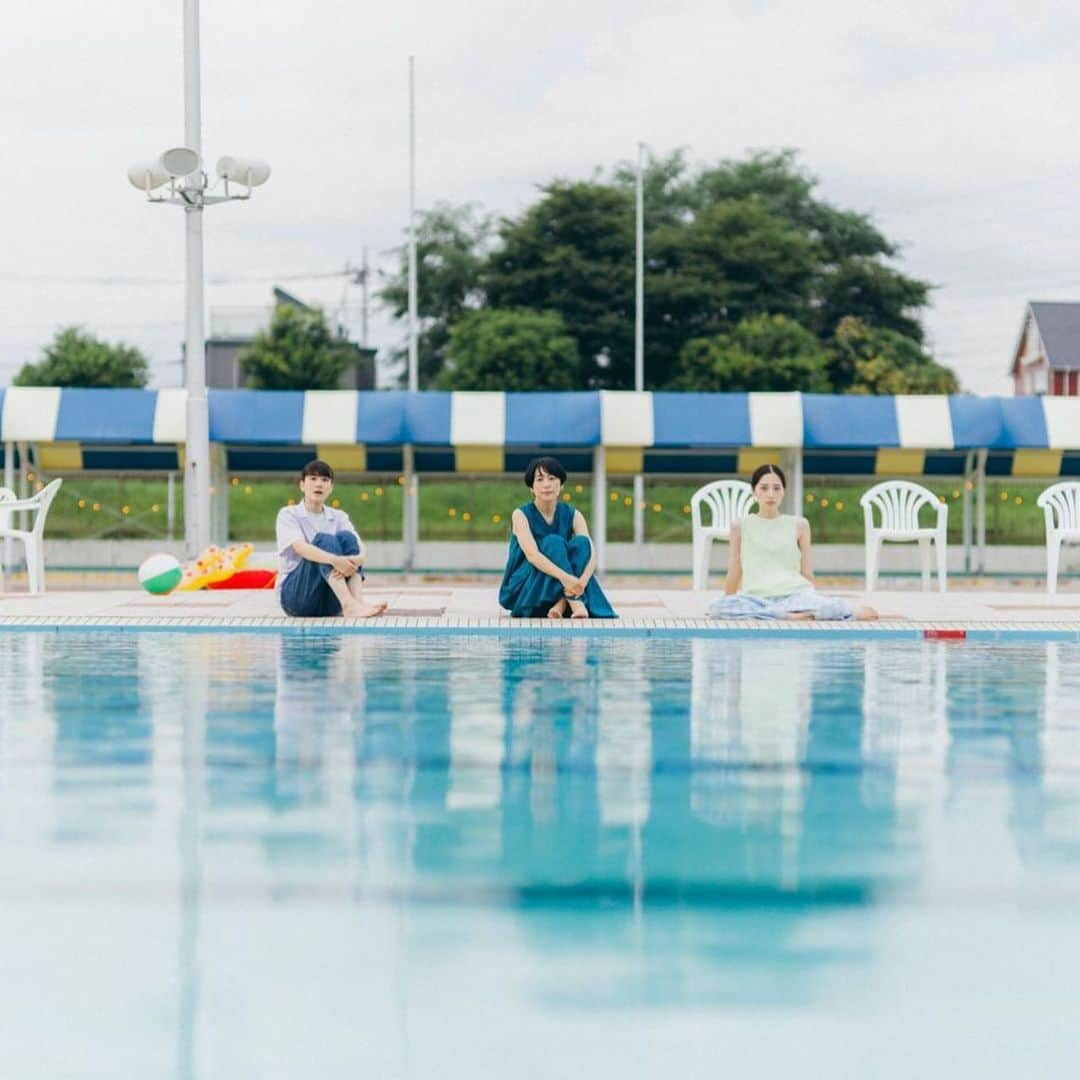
[[805, 568], [358, 559], [344, 564], [581, 528], [520, 525], [734, 567]]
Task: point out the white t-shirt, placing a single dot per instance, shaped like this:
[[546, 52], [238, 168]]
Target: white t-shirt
[[298, 523]]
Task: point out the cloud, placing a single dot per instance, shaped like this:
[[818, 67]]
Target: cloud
[[944, 121]]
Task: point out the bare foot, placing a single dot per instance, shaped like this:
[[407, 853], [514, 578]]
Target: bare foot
[[866, 614], [364, 611], [558, 609], [578, 610]]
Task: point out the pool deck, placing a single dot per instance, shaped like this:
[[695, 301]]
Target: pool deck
[[456, 608]]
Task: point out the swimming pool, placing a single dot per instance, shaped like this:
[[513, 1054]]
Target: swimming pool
[[536, 856]]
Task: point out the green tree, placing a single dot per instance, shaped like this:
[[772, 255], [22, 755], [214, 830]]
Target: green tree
[[573, 252], [510, 349], [452, 244], [723, 244], [735, 260], [867, 360], [77, 358], [851, 275], [297, 352], [764, 352]]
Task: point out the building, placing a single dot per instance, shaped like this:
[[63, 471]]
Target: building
[[1047, 357], [233, 329]]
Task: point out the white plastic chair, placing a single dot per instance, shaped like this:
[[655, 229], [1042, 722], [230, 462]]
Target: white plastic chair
[[1061, 505], [721, 503], [33, 538], [898, 502]]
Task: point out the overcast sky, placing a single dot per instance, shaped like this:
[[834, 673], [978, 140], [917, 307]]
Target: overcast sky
[[951, 124]]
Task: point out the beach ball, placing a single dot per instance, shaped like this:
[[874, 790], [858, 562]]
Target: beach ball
[[160, 574]]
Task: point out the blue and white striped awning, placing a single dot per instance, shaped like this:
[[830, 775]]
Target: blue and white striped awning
[[495, 422]]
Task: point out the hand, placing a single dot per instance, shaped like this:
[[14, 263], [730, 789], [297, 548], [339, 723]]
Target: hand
[[572, 586], [344, 565]]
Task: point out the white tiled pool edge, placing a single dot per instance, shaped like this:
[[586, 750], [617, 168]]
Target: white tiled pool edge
[[449, 608]]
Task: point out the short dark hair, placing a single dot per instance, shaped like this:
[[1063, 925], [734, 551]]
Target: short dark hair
[[764, 470], [317, 467], [552, 466]]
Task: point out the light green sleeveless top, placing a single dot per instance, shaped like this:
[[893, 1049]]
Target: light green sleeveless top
[[770, 556]]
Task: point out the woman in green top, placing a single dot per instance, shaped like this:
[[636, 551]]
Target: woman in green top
[[769, 574]]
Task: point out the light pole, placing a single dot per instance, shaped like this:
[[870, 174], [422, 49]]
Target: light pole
[[410, 525], [639, 332], [180, 172]]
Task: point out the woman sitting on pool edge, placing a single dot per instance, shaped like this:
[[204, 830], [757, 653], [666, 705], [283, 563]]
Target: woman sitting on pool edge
[[551, 562], [769, 574], [320, 554]]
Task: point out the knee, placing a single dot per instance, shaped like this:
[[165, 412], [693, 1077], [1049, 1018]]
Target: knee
[[580, 543], [328, 542], [553, 545]]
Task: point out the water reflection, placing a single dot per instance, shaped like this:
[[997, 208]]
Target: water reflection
[[606, 822]]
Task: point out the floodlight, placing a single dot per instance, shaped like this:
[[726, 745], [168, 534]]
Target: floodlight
[[147, 175], [180, 161], [251, 172]]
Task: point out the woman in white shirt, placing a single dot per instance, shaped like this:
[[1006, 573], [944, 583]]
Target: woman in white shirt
[[320, 554]]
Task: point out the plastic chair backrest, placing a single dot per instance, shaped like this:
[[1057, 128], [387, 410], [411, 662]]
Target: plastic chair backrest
[[899, 503], [44, 498], [38, 503], [724, 501], [1061, 504]]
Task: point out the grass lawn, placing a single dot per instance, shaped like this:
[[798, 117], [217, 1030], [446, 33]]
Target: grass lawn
[[465, 508]]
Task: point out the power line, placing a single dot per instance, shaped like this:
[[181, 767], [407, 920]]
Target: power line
[[132, 282]]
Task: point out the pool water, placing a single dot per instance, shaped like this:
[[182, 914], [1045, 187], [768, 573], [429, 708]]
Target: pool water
[[254, 855]]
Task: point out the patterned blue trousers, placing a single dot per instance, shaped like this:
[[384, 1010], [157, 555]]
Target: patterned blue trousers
[[742, 606]]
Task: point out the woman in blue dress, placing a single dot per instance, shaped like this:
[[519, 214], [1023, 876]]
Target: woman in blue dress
[[550, 566]]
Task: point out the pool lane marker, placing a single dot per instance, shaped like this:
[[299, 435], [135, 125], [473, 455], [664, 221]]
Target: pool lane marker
[[945, 635]]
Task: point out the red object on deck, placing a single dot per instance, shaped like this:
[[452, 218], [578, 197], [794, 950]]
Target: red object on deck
[[247, 579], [945, 635]]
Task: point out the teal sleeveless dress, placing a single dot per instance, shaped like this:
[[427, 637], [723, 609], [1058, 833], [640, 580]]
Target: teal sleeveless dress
[[526, 592]]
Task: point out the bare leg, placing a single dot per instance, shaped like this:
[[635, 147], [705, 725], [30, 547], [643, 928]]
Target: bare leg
[[340, 589], [578, 610], [558, 609], [799, 616], [866, 614], [348, 593]]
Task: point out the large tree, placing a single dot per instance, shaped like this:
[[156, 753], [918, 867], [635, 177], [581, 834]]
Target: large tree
[[724, 244], [852, 272], [452, 243], [500, 349], [297, 352], [77, 358]]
